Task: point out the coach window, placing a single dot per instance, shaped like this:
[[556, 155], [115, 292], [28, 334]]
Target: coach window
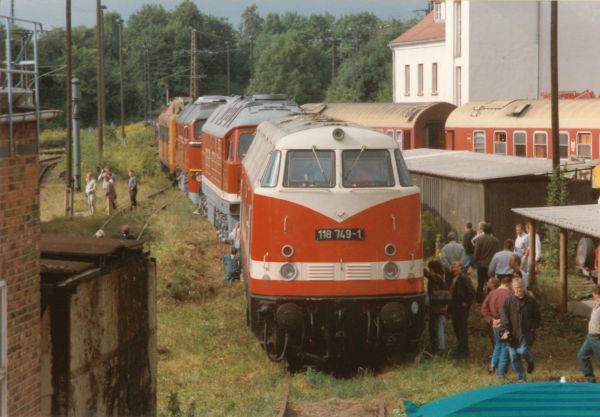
[[244, 143], [584, 145], [403, 173], [198, 128], [520, 144], [540, 145], [367, 168], [500, 143], [390, 133], [479, 141], [312, 168], [271, 174], [563, 143], [399, 137]]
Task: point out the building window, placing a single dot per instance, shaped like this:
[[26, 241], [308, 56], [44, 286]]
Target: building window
[[3, 355], [540, 148], [457, 28], [458, 86], [437, 11], [479, 142], [584, 145], [434, 79], [500, 143], [407, 80], [420, 79], [563, 145], [520, 144]]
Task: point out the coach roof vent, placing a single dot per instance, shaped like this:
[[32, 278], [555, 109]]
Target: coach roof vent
[[269, 97], [519, 109]]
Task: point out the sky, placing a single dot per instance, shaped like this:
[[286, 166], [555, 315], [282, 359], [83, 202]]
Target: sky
[[51, 13]]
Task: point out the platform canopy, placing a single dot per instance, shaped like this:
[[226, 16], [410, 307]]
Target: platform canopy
[[584, 219]]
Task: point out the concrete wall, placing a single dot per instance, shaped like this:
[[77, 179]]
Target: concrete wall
[[103, 343], [19, 267]]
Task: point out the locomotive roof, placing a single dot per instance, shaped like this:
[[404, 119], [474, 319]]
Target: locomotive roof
[[248, 111], [201, 108], [479, 167], [532, 114], [174, 108], [402, 115], [302, 131]]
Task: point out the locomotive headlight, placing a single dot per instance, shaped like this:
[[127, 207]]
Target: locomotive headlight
[[391, 270], [390, 249], [288, 271], [414, 307], [287, 251]]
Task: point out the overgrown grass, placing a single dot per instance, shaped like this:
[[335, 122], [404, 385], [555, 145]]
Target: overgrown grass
[[209, 363]]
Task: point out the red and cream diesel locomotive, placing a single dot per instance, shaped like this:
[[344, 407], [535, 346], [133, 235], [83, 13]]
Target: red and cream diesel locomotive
[[331, 241], [226, 137]]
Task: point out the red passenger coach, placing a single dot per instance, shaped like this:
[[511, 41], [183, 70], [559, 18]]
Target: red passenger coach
[[331, 241], [413, 125], [227, 135], [523, 128], [188, 151]]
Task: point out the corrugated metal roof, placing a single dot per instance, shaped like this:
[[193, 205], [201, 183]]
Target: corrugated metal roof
[[471, 166], [526, 114], [584, 219], [53, 245], [400, 115]]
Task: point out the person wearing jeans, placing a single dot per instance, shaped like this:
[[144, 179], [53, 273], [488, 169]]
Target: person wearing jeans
[[519, 319], [591, 345], [439, 296], [490, 309]]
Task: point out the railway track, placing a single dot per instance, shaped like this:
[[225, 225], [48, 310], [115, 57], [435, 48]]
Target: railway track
[[286, 410], [47, 163]]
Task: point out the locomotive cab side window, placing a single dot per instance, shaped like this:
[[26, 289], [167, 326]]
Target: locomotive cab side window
[[311, 168], [229, 149], [403, 173], [244, 144], [367, 168], [198, 128], [271, 174]]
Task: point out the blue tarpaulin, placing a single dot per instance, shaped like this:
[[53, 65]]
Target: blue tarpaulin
[[543, 399]]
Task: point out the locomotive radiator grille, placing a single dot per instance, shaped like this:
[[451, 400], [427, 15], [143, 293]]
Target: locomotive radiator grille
[[358, 271], [320, 271]]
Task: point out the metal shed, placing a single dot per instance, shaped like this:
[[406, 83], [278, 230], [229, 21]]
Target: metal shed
[[413, 125], [584, 219], [98, 337], [461, 186]]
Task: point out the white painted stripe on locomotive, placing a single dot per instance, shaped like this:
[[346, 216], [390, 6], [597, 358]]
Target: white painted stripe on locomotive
[[337, 271], [338, 204], [228, 197]]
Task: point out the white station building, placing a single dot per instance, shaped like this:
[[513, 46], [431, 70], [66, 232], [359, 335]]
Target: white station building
[[489, 50]]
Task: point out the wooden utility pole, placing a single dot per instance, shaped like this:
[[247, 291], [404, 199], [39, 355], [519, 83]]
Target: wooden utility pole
[[69, 121], [102, 73], [147, 93], [99, 121], [554, 83], [193, 67], [120, 23]]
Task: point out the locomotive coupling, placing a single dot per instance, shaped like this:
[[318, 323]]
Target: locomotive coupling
[[289, 316]]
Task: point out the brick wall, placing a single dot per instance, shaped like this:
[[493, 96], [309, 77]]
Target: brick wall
[[19, 267]]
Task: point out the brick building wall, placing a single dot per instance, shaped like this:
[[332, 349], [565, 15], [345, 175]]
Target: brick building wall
[[19, 266]]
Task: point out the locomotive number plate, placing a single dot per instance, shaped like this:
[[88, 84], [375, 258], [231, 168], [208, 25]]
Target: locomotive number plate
[[340, 234]]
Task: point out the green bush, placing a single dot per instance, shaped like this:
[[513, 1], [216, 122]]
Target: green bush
[[432, 228], [50, 139]]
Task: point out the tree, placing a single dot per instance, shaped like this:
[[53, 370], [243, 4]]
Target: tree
[[289, 65]]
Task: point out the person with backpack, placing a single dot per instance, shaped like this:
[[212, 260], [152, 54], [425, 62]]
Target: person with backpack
[[462, 295], [439, 297], [490, 309]]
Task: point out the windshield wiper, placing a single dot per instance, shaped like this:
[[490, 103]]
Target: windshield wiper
[[318, 162], [362, 149]]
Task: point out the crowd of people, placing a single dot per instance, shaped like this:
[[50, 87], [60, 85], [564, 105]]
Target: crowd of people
[[511, 311], [108, 180]]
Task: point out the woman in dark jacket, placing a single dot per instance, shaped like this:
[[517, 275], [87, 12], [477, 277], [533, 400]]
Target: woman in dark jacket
[[439, 296], [462, 295]]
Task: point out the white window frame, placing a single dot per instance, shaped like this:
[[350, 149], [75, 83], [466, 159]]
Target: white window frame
[[407, 80], [420, 80], [484, 145], [505, 142], [3, 350], [534, 144], [437, 11], [591, 142], [568, 144], [514, 144], [434, 79]]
